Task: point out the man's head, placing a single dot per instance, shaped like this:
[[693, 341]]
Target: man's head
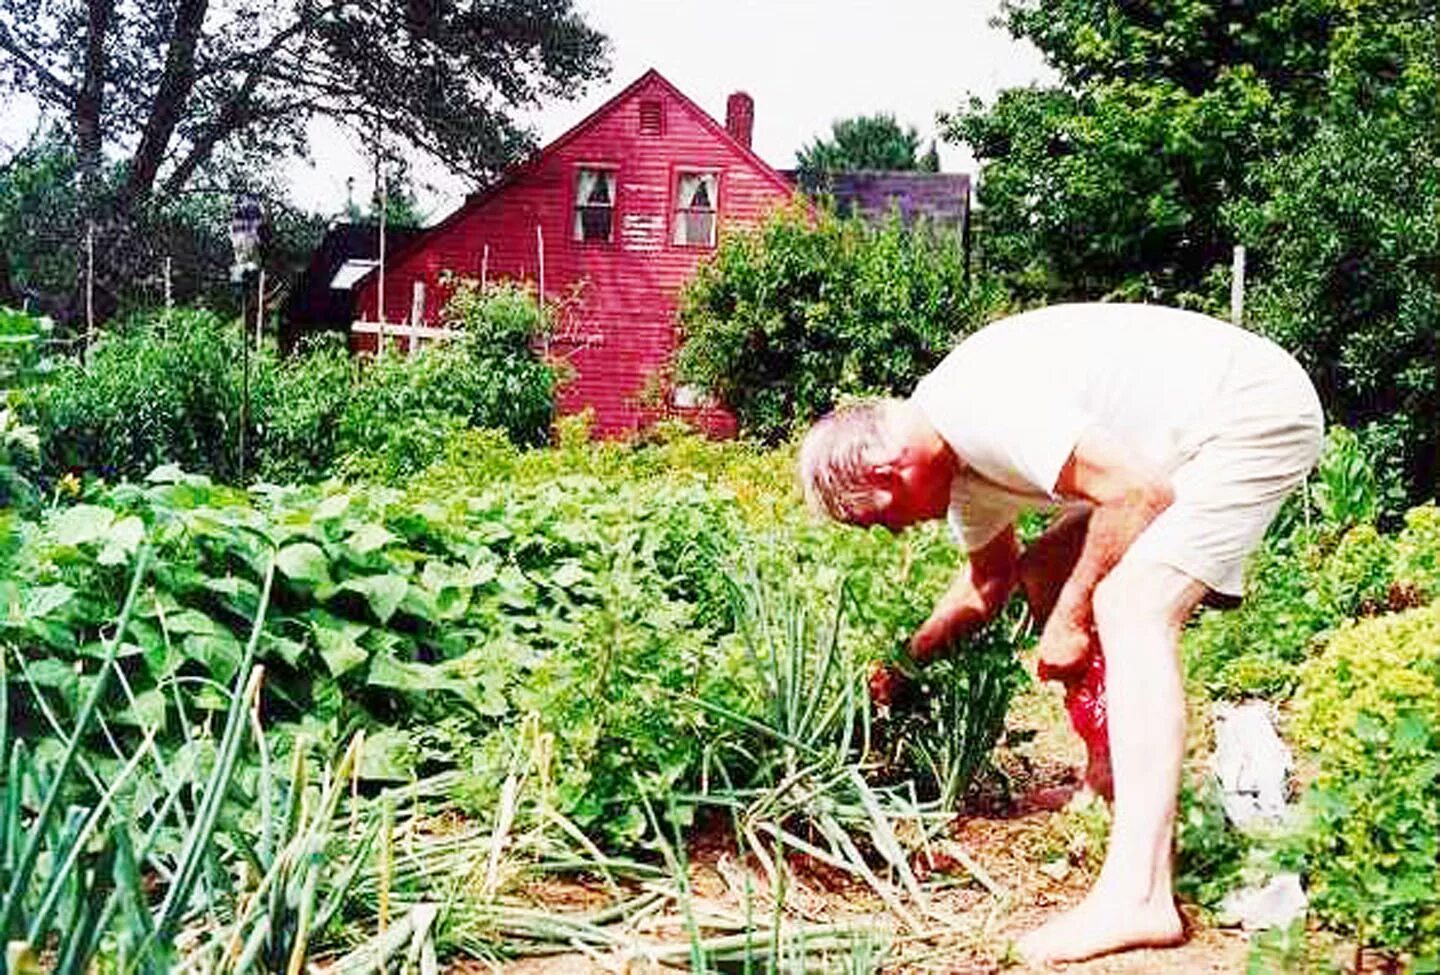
[[878, 462]]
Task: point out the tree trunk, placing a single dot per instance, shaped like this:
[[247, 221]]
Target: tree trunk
[[88, 133], [170, 98]]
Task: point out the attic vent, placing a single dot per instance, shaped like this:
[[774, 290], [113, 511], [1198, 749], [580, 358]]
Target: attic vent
[[652, 117]]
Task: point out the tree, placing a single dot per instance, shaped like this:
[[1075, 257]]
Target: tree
[[789, 317], [157, 93], [1114, 181], [1305, 129], [1346, 232], [175, 82], [865, 142]]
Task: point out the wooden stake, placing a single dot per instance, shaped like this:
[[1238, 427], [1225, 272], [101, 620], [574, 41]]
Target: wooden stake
[[169, 290], [89, 283], [485, 268], [260, 310], [1237, 286], [540, 245]]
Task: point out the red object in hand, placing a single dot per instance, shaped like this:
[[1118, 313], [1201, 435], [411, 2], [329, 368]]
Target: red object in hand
[[1085, 703]]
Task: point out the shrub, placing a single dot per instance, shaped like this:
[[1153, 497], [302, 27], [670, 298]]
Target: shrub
[[1367, 712], [166, 389], [1324, 561], [154, 391], [786, 319]]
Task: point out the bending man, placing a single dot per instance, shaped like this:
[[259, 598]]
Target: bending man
[[1175, 438]]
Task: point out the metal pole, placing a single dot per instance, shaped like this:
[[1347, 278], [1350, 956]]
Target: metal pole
[[384, 205], [244, 372]]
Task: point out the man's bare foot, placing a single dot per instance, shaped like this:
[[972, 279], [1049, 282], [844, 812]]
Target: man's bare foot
[[1100, 925]]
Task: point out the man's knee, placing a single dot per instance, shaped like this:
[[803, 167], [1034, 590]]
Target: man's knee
[[1148, 596]]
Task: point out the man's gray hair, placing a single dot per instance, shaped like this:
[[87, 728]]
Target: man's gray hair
[[837, 455]]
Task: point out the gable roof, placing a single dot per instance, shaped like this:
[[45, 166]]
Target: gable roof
[[520, 170]]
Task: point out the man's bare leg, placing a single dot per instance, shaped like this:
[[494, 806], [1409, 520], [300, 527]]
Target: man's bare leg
[[1139, 609]]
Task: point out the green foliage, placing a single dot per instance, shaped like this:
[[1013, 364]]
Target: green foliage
[[1110, 191], [1301, 587], [790, 317], [167, 388], [157, 391], [1349, 230], [874, 142], [21, 358], [1366, 712], [1115, 181], [1324, 561], [1209, 853]]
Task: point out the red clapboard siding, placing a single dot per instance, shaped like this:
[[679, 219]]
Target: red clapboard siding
[[619, 332]]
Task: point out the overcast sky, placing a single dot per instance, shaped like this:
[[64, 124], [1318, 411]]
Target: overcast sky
[[806, 63]]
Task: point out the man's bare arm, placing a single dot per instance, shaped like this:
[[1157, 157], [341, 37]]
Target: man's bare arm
[[979, 590], [1127, 496]]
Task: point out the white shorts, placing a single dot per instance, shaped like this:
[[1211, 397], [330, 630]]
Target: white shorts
[[1268, 432]]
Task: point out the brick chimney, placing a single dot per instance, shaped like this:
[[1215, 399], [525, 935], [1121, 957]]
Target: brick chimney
[[740, 117]]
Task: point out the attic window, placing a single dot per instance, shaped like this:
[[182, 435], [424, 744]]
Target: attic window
[[652, 117], [695, 209], [594, 204]]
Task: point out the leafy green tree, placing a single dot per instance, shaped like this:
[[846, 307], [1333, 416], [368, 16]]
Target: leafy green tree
[[42, 216], [1346, 231], [176, 82], [1113, 181], [865, 142], [162, 98], [789, 318]]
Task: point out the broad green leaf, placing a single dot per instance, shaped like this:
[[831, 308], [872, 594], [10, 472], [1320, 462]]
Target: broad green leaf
[[166, 474], [290, 651], [83, 524], [338, 641], [417, 678], [193, 621], [369, 537], [388, 755], [383, 593], [304, 562], [126, 534], [332, 507], [220, 652], [54, 674], [46, 600], [148, 711]]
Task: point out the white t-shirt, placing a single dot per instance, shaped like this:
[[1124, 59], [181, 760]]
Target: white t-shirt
[[1013, 399]]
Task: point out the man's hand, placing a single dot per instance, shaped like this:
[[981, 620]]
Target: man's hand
[[1065, 644]]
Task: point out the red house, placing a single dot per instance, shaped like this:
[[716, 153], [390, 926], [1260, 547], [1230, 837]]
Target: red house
[[617, 213]]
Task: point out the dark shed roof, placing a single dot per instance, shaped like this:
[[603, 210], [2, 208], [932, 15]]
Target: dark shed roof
[[314, 306]]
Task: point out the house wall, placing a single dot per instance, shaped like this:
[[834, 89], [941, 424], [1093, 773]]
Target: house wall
[[618, 329]]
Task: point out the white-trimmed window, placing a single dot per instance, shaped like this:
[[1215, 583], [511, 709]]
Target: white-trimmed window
[[695, 210], [594, 204]]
